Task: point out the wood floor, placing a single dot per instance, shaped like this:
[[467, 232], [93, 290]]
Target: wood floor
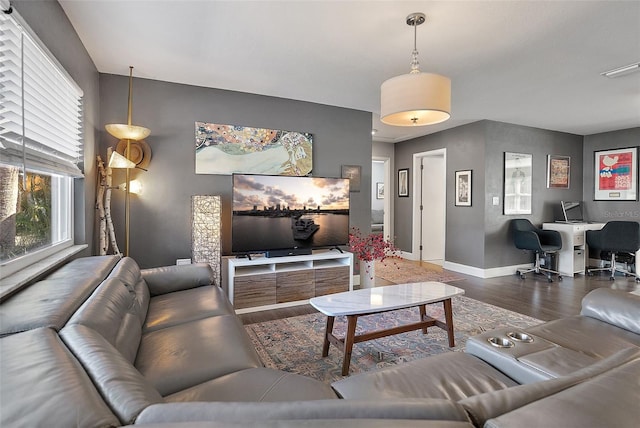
[[533, 296]]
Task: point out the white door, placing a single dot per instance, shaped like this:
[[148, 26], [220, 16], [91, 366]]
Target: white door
[[431, 209]]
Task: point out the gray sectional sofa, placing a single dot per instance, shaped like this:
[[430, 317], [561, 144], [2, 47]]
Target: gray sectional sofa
[[101, 343]]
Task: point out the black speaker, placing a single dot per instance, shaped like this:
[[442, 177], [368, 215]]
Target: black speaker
[[288, 252]]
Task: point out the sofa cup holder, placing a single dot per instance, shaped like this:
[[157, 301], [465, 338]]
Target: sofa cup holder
[[500, 342], [519, 336]]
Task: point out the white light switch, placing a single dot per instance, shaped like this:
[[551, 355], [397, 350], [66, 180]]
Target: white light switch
[[496, 200]]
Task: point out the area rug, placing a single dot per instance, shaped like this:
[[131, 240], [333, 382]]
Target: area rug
[[295, 344], [402, 271]]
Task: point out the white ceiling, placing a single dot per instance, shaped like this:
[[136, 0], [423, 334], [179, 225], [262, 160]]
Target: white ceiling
[[530, 63]]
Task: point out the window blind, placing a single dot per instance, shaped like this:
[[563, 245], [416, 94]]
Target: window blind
[[41, 106]]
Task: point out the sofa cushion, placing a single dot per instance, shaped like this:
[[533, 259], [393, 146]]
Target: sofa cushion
[[615, 307], [486, 406], [127, 271], [587, 335], [453, 376], [259, 384], [317, 423], [389, 410], [168, 279], [44, 385], [113, 311], [170, 309], [52, 301], [185, 355], [609, 399], [122, 386]]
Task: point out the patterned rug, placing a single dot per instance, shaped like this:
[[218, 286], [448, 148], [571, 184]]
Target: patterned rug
[[401, 271], [295, 344]]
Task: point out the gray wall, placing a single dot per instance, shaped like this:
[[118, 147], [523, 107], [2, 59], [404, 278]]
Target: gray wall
[[606, 210], [161, 216], [478, 236], [49, 22], [503, 137]]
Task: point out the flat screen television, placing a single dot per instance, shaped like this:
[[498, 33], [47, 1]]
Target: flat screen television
[[275, 212], [572, 211]]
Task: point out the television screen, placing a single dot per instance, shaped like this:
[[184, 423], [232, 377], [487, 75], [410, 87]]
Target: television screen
[[276, 212]]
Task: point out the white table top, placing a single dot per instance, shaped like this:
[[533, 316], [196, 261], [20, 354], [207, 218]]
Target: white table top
[[386, 298]]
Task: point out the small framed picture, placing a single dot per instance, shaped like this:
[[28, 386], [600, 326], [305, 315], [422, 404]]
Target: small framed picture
[[616, 175], [558, 171], [463, 188], [403, 183], [379, 190], [353, 173]]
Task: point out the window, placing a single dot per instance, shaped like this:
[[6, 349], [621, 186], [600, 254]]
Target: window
[[40, 147]]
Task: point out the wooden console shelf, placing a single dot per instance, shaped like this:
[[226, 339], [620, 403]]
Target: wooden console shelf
[[268, 283]]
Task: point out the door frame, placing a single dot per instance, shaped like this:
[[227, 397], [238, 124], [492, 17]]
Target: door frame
[[416, 223], [388, 195]]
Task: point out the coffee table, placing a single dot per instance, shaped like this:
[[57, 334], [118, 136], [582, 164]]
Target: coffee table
[[368, 301]]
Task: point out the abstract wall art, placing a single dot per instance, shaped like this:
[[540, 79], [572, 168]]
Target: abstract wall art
[[228, 149]]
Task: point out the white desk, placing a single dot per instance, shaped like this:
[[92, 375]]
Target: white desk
[[574, 256]]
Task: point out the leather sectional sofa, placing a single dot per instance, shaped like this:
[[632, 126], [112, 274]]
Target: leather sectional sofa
[[100, 343]]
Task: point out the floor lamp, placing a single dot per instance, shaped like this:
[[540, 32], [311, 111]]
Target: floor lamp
[[129, 133]]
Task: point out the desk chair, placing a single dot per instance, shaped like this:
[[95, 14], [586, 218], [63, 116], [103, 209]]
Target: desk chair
[[616, 237], [528, 237]]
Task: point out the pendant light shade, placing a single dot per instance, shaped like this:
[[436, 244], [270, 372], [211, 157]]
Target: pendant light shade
[[416, 98]]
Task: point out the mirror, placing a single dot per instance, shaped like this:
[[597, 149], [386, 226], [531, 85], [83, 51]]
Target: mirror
[[517, 183]]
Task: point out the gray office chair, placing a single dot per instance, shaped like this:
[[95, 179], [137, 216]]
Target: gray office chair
[[618, 237], [528, 237]]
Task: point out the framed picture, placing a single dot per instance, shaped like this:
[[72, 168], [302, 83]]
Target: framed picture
[[518, 169], [379, 190], [463, 188], [353, 173], [558, 171], [403, 183], [225, 149], [616, 175]]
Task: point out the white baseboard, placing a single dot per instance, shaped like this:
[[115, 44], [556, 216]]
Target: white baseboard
[[485, 273]]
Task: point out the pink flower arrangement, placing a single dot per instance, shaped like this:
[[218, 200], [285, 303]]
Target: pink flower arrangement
[[370, 247]]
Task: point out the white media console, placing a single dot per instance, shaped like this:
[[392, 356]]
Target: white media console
[[262, 283]]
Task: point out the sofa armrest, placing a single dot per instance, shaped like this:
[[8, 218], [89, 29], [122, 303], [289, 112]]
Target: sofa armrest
[[490, 405], [167, 279], [615, 307], [433, 409]]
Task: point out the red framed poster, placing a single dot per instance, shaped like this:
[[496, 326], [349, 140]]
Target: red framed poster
[[616, 175]]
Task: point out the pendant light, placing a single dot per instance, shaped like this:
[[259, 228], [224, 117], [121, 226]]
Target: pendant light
[[416, 98]]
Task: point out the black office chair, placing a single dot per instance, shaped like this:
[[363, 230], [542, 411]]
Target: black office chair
[[543, 242], [618, 237]]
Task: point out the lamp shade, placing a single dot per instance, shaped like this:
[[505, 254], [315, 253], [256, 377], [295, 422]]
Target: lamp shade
[[415, 99], [119, 161], [128, 132]]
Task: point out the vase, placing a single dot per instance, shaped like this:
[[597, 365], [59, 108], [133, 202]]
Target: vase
[[367, 274]]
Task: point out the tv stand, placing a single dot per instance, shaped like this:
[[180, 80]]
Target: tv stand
[[265, 283]]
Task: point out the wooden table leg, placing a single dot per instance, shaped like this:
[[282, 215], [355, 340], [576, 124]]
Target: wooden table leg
[[448, 316], [423, 316], [348, 343], [328, 330]]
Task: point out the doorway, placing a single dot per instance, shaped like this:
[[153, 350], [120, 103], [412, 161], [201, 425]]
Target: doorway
[[381, 196], [429, 206]]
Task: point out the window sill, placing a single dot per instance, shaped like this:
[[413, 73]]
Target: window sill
[[16, 281]]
